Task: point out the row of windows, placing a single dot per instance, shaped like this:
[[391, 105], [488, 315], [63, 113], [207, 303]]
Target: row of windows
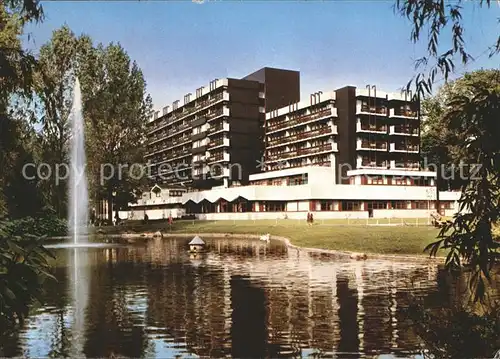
[[324, 205]]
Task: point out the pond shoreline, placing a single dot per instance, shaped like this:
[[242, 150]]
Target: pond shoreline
[[285, 240]]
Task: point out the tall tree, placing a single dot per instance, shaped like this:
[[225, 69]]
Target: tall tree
[[472, 115], [23, 262], [439, 141], [58, 61], [116, 108], [16, 68]]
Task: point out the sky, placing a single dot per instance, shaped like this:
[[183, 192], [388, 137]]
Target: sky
[[182, 45]]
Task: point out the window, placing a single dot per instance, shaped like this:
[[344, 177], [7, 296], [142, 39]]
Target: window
[[375, 180], [351, 206], [297, 180], [421, 205], [422, 182], [273, 206], [326, 205], [398, 181], [399, 205], [377, 205]]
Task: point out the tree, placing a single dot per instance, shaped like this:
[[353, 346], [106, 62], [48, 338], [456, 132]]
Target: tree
[[439, 141], [23, 263], [473, 116], [438, 17], [116, 110], [54, 80], [16, 69]]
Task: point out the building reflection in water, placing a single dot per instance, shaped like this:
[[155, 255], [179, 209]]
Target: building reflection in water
[[241, 299]]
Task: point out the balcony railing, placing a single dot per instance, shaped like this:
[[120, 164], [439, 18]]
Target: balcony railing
[[404, 147], [374, 109], [371, 127], [301, 152], [405, 130], [295, 120], [406, 165], [218, 112], [301, 135], [215, 143], [403, 112], [374, 145], [377, 164]]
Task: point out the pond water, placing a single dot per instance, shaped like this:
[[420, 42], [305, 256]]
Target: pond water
[[243, 298]]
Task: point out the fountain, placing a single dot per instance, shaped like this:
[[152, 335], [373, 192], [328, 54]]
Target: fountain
[[78, 220], [78, 194]]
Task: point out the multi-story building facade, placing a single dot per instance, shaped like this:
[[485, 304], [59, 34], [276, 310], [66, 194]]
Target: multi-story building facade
[[348, 153], [302, 134], [215, 137], [346, 129], [379, 130]]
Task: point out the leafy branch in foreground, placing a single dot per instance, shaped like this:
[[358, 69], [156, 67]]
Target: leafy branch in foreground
[[434, 17], [475, 115], [23, 269]]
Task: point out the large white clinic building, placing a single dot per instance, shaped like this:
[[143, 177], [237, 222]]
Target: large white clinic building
[[349, 153]]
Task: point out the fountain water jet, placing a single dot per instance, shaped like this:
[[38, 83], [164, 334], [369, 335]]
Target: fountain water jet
[[78, 219], [78, 194]]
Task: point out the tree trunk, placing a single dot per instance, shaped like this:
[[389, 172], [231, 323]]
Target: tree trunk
[[110, 205]]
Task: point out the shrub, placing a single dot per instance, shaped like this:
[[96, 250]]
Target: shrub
[[45, 226], [23, 269]]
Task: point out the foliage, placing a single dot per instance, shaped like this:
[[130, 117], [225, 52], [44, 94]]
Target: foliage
[[23, 269], [54, 80], [18, 195], [116, 109], [473, 116], [437, 18], [51, 226], [457, 331], [439, 141]]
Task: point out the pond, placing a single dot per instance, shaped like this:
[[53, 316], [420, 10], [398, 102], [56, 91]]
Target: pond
[[243, 298]]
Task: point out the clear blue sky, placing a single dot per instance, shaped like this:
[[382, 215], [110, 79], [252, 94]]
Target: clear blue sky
[[181, 45]]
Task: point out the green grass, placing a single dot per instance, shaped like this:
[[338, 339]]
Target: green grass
[[356, 236]]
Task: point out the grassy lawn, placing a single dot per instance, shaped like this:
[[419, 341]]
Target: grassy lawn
[[332, 234]]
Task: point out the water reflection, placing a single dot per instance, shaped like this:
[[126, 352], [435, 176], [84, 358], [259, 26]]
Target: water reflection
[[241, 299]]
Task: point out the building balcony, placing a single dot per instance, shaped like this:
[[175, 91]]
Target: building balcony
[[371, 145], [293, 121], [403, 113], [198, 136], [218, 113], [305, 151], [178, 115], [218, 157], [402, 130], [410, 166], [370, 128], [303, 136], [406, 148], [220, 142], [363, 109], [218, 128], [360, 163], [199, 149]]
